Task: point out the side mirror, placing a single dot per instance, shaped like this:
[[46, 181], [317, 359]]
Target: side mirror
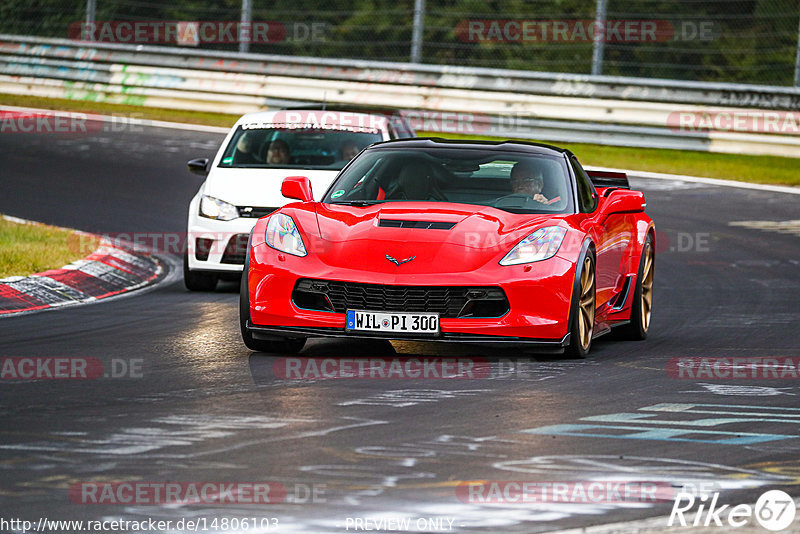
[[623, 201], [198, 166], [297, 187]]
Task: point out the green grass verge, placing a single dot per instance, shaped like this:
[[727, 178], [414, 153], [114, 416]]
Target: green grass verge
[[140, 112], [32, 248], [759, 169]]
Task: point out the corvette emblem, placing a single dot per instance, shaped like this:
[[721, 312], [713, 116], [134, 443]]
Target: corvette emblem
[[399, 262]]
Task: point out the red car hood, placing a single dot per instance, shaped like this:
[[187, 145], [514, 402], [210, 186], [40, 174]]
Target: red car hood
[[350, 236]]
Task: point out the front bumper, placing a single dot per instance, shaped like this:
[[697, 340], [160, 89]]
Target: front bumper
[[222, 255], [275, 332], [539, 297]]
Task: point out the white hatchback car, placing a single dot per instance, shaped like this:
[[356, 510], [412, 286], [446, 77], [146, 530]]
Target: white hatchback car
[[243, 181]]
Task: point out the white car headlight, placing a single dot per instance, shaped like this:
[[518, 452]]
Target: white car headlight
[[214, 208], [282, 234], [540, 245]]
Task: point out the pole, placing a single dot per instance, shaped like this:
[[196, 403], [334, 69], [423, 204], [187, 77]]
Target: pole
[[245, 29], [599, 37], [797, 60], [88, 27], [416, 37]]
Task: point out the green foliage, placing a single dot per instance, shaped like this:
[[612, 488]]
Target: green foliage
[[751, 41]]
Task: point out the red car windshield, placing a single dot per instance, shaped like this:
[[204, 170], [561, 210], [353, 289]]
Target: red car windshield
[[517, 182]]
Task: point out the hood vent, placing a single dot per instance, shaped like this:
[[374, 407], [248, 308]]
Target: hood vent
[[421, 225]]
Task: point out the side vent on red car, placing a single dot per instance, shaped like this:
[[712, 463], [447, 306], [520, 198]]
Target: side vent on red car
[[618, 302]]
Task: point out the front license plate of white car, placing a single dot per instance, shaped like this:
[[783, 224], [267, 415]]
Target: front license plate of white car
[[404, 323]]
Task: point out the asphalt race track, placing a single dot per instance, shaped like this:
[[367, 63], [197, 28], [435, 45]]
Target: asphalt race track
[[201, 407]]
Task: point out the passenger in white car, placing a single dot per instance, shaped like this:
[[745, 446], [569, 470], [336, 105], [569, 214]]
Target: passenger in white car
[[279, 152]]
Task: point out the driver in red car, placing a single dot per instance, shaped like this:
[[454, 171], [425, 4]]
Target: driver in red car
[[528, 179]]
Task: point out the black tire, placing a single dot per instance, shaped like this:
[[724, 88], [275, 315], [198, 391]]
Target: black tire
[[637, 329], [284, 345], [580, 342], [198, 280]]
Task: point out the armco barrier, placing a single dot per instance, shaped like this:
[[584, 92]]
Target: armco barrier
[[603, 110]]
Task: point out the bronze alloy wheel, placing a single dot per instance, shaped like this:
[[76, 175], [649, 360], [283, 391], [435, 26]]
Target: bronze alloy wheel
[[642, 304], [586, 306], [647, 287]]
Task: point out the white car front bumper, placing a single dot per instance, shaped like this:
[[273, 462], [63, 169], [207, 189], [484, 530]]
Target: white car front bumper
[[214, 245]]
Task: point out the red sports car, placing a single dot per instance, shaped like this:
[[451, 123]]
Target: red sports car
[[459, 241]]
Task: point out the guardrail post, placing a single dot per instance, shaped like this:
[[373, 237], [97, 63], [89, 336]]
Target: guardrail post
[[599, 37], [88, 28], [245, 30], [797, 60], [416, 37]]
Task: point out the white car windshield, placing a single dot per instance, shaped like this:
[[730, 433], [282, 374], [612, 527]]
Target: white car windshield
[[296, 147]]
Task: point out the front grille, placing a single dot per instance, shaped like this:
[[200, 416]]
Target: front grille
[[236, 249], [254, 212], [448, 302], [422, 225]]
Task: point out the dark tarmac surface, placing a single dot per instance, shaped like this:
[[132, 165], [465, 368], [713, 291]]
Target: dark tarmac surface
[[201, 407]]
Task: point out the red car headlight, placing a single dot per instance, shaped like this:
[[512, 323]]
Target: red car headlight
[[282, 234], [540, 245]]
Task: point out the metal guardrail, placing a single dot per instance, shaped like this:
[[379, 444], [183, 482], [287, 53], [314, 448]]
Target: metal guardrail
[[556, 107]]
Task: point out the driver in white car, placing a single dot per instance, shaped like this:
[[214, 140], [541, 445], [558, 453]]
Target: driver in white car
[[246, 149]]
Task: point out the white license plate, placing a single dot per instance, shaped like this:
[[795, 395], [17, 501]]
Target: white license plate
[[408, 323]]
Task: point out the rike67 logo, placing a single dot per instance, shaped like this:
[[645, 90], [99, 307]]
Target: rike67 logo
[[774, 510]]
